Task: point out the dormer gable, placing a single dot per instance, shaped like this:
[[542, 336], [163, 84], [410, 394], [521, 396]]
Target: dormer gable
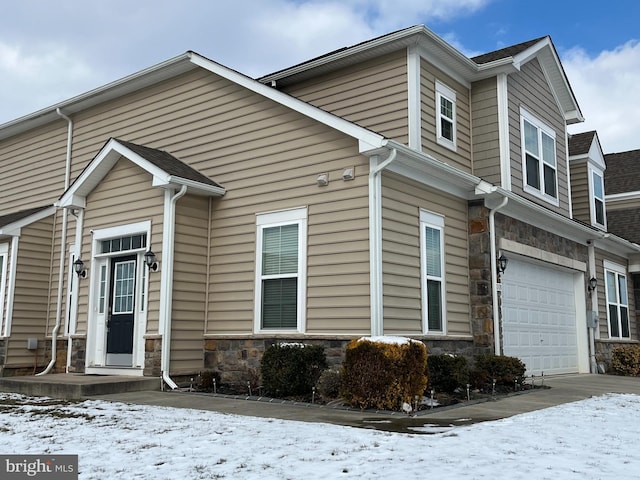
[[587, 170]]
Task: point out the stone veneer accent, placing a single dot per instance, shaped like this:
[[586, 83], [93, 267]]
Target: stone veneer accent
[[78, 354], [237, 360], [480, 278], [152, 356], [604, 349]]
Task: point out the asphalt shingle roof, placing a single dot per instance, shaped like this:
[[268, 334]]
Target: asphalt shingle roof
[[169, 163], [580, 143], [509, 51], [14, 217], [623, 172]]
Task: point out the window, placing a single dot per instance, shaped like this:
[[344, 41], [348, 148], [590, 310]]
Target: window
[[617, 301], [280, 270], [432, 254], [597, 203], [446, 116], [539, 158]]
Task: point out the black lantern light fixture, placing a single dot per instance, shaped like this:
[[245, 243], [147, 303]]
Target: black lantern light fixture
[[151, 261], [502, 263], [78, 267], [593, 283]]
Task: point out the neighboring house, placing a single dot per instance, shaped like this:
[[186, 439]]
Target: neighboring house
[[370, 191], [615, 269]]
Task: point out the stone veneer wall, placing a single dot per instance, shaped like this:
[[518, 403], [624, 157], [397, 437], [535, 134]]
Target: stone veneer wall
[[237, 361], [480, 278], [152, 356], [78, 354]]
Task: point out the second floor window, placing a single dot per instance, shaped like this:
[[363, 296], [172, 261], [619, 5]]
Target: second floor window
[[597, 214], [539, 158], [446, 116]]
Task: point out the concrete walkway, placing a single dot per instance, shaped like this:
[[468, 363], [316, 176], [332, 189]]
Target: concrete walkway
[[563, 389]]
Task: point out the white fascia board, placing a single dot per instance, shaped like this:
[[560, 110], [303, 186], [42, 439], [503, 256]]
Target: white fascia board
[[197, 188], [131, 83], [304, 108], [23, 222], [615, 197]]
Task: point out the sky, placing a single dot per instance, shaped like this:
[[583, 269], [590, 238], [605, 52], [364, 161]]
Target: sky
[[51, 51], [590, 439]]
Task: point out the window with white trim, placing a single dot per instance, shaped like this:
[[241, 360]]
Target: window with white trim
[[445, 116], [281, 253], [432, 263], [617, 300], [4, 253], [539, 163], [598, 216]]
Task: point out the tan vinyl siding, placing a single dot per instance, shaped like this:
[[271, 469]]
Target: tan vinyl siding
[[402, 200], [124, 196], [580, 191], [602, 296], [529, 89], [33, 282], [486, 137], [461, 157], [189, 284], [337, 255], [372, 94], [33, 167]]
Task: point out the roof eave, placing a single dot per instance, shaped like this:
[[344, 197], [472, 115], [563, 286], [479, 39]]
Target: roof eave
[[131, 83]]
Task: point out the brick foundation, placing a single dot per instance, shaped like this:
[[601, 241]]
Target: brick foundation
[[152, 356]]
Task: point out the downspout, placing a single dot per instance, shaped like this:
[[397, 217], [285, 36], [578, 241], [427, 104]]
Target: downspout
[[593, 295], [494, 275], [63, 248], [167, 286], [375, 242]]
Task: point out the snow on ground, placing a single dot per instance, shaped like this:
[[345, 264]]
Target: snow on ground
[[592, 439]]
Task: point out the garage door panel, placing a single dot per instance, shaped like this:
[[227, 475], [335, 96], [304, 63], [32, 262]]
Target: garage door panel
[[539, 318]]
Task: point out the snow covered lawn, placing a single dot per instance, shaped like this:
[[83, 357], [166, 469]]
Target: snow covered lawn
[[591, 439]]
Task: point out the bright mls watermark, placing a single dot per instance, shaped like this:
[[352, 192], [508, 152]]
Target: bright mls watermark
[[51, 467]]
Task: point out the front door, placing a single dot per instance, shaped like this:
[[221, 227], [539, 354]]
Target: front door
[[120, 320]]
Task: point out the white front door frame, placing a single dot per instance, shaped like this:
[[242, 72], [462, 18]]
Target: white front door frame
[[96, 354]]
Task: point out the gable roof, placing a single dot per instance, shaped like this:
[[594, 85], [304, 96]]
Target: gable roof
[[433, 48], [167, 172], [510, 51], [171, 68], [580, 143], [170, 164], [623, 172], [11, 223]]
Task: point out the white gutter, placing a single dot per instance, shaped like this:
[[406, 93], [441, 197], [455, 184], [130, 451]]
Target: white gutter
[[63, 248], [494, 275], [166, 281], [12, 283], [375, 242]]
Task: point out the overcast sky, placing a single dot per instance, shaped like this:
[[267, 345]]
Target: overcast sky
[[51, 50]]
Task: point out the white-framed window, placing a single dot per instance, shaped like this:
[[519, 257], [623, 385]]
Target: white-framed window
[[539, 162], [281, 257], [445, 116], [4, 253], [617, 300], [432, 267], [596, 188]]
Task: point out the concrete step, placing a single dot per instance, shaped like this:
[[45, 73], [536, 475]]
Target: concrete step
[[77, 386]]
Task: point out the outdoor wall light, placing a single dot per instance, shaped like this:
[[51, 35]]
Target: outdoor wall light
[[78, 267], [502, 263], [593, 283], [151, 261]]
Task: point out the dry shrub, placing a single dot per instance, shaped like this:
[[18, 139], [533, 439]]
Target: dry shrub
[[382, 375], [625, 360]]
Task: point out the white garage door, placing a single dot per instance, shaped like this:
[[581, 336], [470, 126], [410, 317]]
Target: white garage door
[[539, 317]]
